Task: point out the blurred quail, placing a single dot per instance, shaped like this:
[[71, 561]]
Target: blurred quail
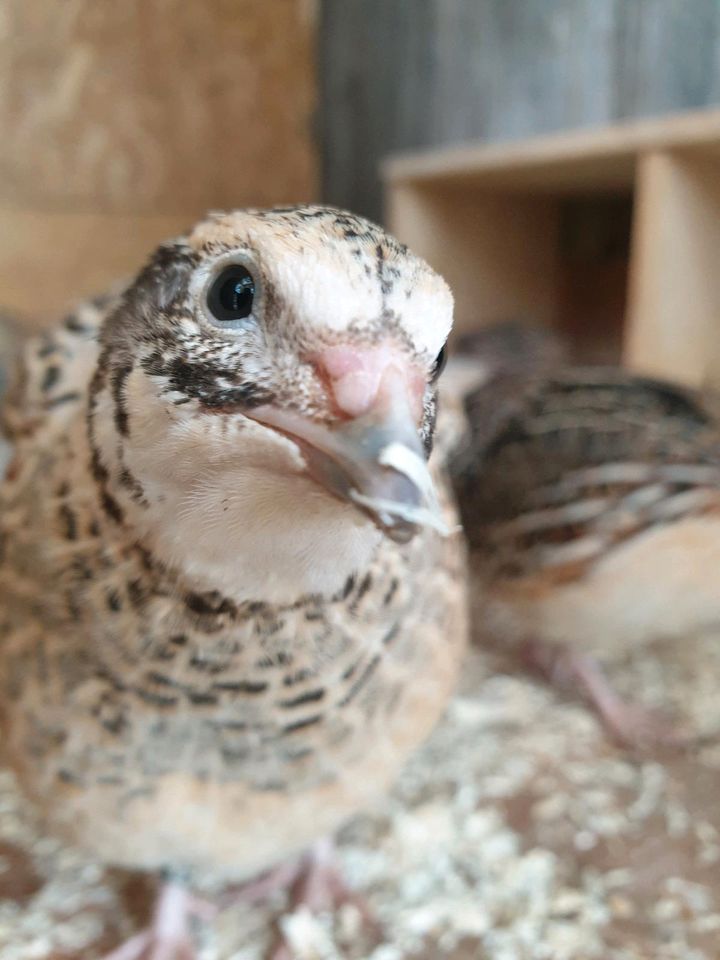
[[590, 499]]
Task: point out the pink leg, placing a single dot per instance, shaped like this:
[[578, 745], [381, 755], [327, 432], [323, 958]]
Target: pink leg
[[319, 886], [631, 724], [255, 891], [168, 936], [313, 882]]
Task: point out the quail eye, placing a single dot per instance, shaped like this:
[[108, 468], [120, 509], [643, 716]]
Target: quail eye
[[231, 296], [439, 365]]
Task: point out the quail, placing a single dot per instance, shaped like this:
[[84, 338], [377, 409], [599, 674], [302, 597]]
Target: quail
[[590, 500], [231, 582]]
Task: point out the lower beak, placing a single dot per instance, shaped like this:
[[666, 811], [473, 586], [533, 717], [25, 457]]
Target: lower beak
[[375, 461]]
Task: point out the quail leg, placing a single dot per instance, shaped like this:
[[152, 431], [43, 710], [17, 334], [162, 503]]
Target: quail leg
[[313, 882], [168, 935], [320, 887], [630, 724], [255, 891]]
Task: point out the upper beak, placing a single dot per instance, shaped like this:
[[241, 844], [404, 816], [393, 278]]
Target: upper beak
[[375, 460]]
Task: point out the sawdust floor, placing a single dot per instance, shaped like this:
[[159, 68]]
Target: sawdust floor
[[519, 832]]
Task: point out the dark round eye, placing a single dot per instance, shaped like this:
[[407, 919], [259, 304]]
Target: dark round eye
[[439, 365], [232, 293]]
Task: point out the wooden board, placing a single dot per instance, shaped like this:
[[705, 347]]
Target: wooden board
[[400, 75], [487, 217], [155, 106], [591, 160], [123, 123], [498, 254], [673, 326], [79, 255]]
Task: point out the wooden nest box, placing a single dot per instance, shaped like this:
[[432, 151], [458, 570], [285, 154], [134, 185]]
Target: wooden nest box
[[611, 235]]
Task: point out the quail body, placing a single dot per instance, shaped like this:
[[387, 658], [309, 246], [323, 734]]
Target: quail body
[[227, 613], [591, 506]]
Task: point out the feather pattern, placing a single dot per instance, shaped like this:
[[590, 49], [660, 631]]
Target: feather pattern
[[208, 660]]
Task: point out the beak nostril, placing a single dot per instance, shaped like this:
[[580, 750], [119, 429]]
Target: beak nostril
[[355, 392], [358, 378]]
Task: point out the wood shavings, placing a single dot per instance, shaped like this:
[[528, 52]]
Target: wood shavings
[[518, 833]]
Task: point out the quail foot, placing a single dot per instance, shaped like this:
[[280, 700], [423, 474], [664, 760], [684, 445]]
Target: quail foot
[[232, 589], [591, 507]]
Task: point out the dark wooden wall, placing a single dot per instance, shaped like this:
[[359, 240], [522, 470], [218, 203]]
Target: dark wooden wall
[[398, 74]]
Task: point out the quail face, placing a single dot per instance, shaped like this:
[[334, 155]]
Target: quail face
[[271, 378]]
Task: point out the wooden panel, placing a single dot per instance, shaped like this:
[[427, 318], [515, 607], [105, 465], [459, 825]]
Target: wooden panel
[[674, 315], [480, 207], [377, 68], [602, 159], [417, 73], [498, 253], [666, 56], [593, 259], [48, 261], [155, 106], [146, 113]]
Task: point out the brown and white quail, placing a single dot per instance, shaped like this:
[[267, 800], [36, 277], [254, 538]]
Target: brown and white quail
[[232, 601]]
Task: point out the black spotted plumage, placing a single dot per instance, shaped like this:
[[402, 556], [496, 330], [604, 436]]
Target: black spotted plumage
[[590, 500], [176, 719], [591, 425]]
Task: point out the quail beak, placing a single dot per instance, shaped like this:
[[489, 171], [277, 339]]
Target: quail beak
[[375, 461]]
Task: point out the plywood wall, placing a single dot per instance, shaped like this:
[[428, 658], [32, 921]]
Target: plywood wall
[[121, 122]]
